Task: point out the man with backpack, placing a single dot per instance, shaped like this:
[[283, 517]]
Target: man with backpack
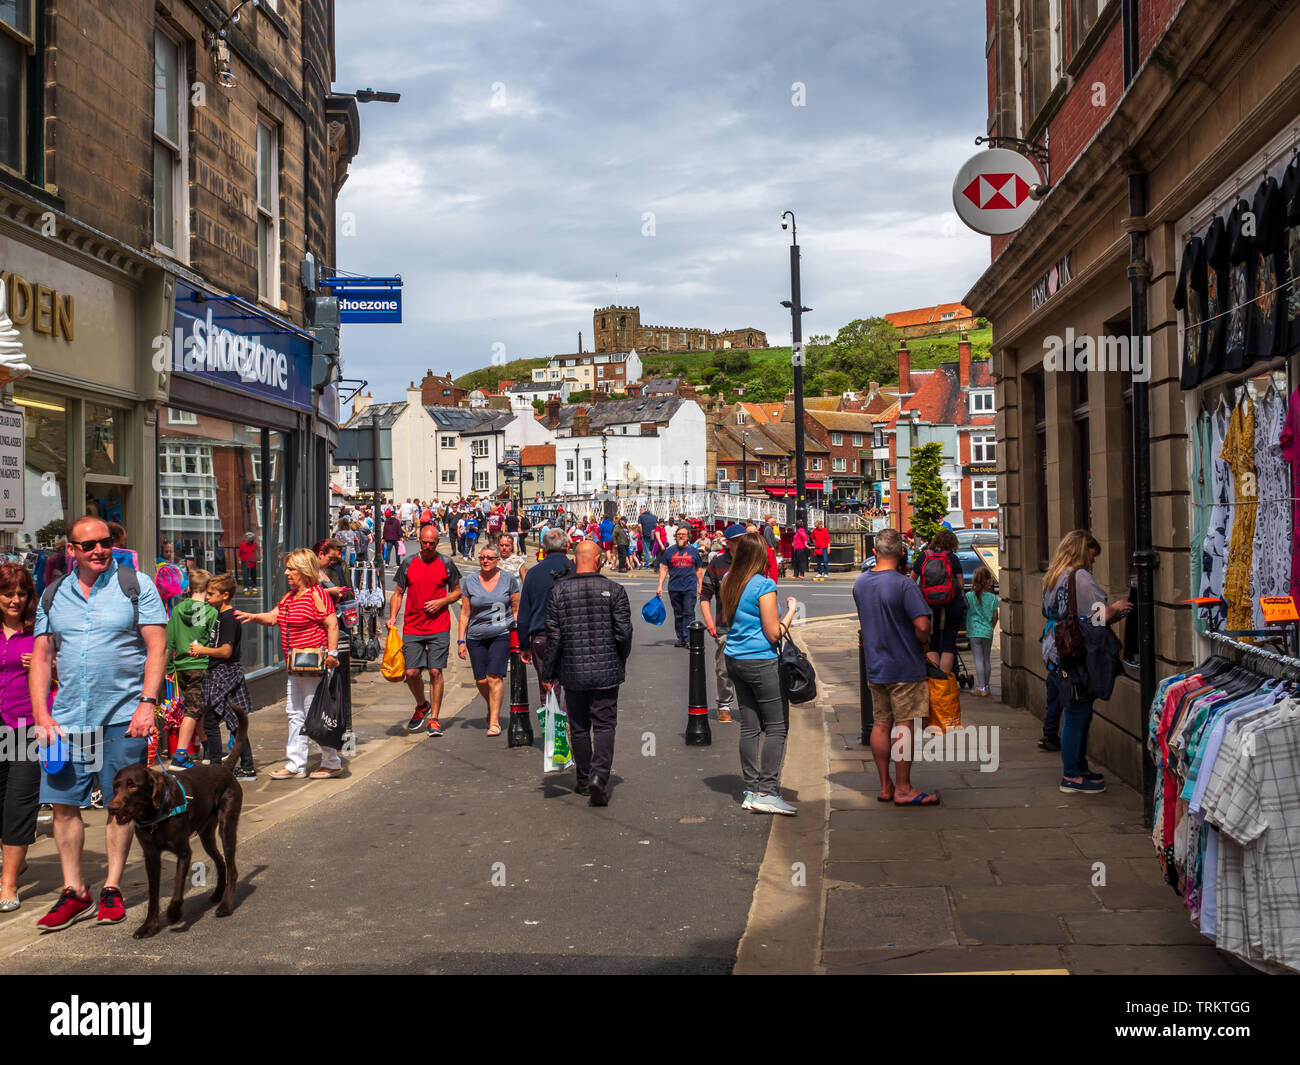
[[939, 576]]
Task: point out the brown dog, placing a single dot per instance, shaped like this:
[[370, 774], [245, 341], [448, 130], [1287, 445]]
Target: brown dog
[[167, 807]]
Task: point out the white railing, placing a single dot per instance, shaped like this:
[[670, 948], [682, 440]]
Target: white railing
[[695, 504]]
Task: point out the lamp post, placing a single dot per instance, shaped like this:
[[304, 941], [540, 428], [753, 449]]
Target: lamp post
[[604, 471], [744, 476], [796, 357], [686, 480]]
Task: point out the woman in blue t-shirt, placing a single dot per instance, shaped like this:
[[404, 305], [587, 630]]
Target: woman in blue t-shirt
[[747, 605]]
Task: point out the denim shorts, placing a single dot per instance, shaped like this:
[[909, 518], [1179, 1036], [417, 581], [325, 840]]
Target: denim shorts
[[71, 785]]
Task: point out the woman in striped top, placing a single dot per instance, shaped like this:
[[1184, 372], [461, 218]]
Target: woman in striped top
[[306, 619]]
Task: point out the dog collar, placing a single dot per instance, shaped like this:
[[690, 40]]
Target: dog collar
[[180, 808]]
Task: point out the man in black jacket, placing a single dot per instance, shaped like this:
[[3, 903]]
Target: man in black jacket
[[588, 639], [532, 599]]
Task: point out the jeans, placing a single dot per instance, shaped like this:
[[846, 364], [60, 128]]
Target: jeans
[[1074, 739], [726, 690], [593, 716], [823, 563], [683, 612], [981, 648], [1052, 712], [799, 561], [300, 694], [647, 553], [762, 710]]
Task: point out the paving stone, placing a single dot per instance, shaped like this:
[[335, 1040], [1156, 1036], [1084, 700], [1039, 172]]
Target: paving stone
[[1018, 870], [1040, 817], [851, 799], [1008, 777], [864, 874], [1006, 842], [879, 844], [992, 798], [1024, 898], [1153, 894], [997, 927], [1132, 927], [928, 873], [973, 959], [1115, 844], [887, 917], [1172, 959]]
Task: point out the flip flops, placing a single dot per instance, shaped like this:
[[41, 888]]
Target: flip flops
[[919, 799]]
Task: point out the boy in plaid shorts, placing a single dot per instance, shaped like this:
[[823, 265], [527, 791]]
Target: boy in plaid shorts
[[192, 620], [224, 688]]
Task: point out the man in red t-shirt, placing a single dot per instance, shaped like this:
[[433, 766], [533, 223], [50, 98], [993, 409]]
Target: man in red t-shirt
[[433, 583]]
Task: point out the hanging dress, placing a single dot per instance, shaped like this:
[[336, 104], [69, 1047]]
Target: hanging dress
[[1239, 452], [1214, 554], [1271, 555], [1202, 502]]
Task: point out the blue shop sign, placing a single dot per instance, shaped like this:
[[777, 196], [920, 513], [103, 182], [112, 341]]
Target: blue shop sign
[[227, 341], [375, 305]]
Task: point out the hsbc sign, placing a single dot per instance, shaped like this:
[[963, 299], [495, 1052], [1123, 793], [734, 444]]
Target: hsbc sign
[[992, 191]]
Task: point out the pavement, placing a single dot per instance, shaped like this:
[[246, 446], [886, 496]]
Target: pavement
[[1007, 875]]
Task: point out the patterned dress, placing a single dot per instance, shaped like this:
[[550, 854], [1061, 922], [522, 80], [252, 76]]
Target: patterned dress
[[1239, 453], [1271, 561], [1202, 502], [1214, 551]]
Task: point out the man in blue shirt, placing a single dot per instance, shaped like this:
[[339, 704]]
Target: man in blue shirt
[[111, 665], [895, 622], [683, 569], [607, 540], [647, 521]]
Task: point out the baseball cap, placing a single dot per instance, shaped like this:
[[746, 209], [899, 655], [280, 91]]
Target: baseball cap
[[733, 531]]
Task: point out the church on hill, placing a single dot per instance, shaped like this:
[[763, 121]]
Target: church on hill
[[619, 329]]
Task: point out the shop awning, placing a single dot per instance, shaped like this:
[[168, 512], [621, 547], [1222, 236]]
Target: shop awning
[[811, 486]]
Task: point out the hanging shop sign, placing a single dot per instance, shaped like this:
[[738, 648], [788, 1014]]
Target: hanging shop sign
[[227, 341], [13, 467], [992, 191], [367, 300]]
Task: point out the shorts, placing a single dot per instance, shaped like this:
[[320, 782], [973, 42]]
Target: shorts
[[607, 545], [490, 656], [896, 704], [71, 786], [426, 651], [944, 640], [190, 682]]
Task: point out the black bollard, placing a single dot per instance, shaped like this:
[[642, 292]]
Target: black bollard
[[698, 733], [864, 694], [519, 733]]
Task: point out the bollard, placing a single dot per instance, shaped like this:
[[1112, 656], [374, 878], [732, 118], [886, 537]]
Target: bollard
[[698, 733], [864, 694], [519, 733]]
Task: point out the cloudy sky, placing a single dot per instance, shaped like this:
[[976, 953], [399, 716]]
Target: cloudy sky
[[552, 156]]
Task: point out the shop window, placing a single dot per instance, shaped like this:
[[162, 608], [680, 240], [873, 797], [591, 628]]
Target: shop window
[[1038, 412], [17, 53], [1082, 446], [268, 213], [103, 440], [46, 453], [170, 147]]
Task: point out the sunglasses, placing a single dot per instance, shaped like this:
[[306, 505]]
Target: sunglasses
[[90, 545], [486, 558]]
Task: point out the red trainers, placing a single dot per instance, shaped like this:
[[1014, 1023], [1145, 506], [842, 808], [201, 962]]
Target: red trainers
[[111, 907], [417, 718], [67, 910]]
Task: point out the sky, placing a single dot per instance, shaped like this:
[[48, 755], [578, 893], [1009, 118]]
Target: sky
[[550, 157]]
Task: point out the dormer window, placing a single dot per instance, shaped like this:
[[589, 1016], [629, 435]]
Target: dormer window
[[981, 402], [740, 416]]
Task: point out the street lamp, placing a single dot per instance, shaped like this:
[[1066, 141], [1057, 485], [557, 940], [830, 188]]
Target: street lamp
[[686, 480], [796, 358], [604, 474], [744, 477]]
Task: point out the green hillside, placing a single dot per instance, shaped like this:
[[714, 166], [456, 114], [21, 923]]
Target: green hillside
[[489, 376]]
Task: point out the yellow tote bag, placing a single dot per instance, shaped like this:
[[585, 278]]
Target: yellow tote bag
[[393, 666]]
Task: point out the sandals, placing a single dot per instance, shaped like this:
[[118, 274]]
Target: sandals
[[325, 774], [494, 730], [921, 798], [286, 774]]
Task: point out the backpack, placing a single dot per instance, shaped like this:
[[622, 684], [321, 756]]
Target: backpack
[[938, 583], [127, 578], [169, 581]]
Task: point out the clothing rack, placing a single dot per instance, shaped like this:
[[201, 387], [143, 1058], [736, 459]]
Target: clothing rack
[[1281, 662]]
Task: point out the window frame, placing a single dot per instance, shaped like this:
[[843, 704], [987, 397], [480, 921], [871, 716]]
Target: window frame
[[986, 489], [27, 49], [976, 401], [986, 444], [178, 245], [839, 465], [268, 262]]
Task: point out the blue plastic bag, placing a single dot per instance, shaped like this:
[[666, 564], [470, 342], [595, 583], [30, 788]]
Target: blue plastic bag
[[654, 611]]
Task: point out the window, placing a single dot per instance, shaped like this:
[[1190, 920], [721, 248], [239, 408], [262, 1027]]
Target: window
[[1038, 413], [17, 47], [568, 469], [837, 439], [448, 476], [741, 416], [947, 315], [816, 464], [857, 439], [447, 441], [1084, 14], [954, 494], [481, 481], [1082, 451], [722, 475], [170, 137], [181, 417], [984, 495], [753, 473], [479, 449], [268, 214], [839, 466], [586, 469], [981, 402], [878, 438], [983, 447], [767, 468]]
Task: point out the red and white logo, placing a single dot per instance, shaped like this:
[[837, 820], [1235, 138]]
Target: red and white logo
[[991, 192]]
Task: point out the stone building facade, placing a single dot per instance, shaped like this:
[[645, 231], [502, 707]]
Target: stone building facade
[[619, 329]]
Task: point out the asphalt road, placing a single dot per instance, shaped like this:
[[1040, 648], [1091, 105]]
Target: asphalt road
[[396, 874]]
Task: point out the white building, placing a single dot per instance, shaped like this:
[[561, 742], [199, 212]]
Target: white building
[[528, 391], [610, 371]]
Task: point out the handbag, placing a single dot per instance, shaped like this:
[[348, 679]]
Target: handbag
[[1067, 633], [306, 661], [796, 673]]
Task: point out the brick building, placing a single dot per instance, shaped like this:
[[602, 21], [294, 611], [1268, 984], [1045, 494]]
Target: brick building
[[160, 189], [1157, 117], [619, 328], [441, 391]]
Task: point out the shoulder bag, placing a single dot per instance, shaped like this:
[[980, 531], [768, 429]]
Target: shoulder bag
[[1067, 633], [796, 673]]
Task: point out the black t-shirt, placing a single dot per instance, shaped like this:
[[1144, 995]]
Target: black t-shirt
[[229, 631], [1291, 256], [1216, 297], [1241, 242], [1266, 308], [1189, 297]]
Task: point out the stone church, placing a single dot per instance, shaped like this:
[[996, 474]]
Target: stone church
[[619, 329]]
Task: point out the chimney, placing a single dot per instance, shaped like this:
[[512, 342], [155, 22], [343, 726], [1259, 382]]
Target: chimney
[[581, 423], [552, 412], [963, 360], [904, 369], [827, 393], [579, 341], [873, 389], [361, 401]]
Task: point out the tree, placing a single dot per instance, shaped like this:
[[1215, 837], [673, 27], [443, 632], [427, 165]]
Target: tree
[[737, 361], [929, 497], [770, 382], [865, 349]]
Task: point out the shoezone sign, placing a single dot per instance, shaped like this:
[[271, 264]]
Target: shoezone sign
[[991, 192]]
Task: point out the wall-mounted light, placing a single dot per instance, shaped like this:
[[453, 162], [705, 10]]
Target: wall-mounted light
[[219, 50]]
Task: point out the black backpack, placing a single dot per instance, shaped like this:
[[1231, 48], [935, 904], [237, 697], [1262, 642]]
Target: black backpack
[[127, 578]]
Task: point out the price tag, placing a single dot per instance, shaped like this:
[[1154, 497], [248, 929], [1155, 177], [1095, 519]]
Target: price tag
[[1278, 608]]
